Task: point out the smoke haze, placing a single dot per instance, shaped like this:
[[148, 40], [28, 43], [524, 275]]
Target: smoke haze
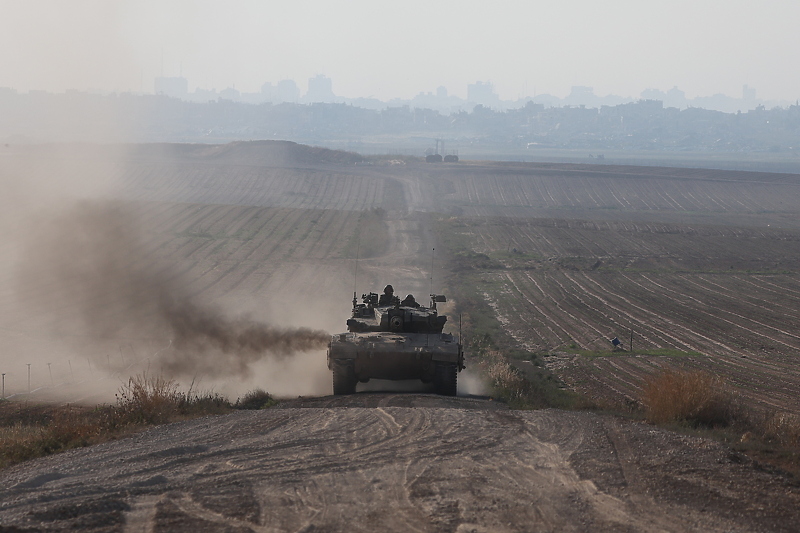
[[102, 281], [88, 298]]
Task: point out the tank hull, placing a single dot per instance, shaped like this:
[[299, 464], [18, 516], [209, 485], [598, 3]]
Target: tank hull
[[383, 355]]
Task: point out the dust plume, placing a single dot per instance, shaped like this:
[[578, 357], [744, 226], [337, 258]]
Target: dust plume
[[92, 276], [204, 339]]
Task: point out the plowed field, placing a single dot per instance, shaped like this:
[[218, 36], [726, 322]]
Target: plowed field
[[700, 265]]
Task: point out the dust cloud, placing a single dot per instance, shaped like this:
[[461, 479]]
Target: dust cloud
[[104, 281], [87, 298]]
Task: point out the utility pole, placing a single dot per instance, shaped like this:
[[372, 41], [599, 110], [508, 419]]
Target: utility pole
[[4, 385], [50, 370], [29, 377]]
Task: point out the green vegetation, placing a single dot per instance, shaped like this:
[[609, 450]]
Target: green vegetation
[[659, 352], [30, 431]]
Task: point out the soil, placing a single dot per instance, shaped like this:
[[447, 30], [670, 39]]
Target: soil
[[400, 462], [244, 231]]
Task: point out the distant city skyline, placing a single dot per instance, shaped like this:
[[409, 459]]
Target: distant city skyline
[[390, 50], [320, 90]]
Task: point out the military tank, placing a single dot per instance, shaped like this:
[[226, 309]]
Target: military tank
[[395, 340]]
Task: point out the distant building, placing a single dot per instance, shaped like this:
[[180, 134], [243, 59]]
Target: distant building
[[174, 87], [581, 96], [748, 93], [287, 91], [320, 89], [482, 93], [654, 94], [230, 94], [675, 98]]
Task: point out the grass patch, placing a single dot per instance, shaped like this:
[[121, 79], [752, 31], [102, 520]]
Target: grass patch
[[463, 260], [695, 397], [30, 431], [537, 388], [658, 352]]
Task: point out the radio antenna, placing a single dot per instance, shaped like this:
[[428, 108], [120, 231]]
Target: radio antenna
[[355, 275], [433, 251]]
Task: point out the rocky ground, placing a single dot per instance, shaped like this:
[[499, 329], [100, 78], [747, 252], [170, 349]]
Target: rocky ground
[[399, 462]]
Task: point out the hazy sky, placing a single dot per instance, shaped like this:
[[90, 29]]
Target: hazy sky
[[398, 48]]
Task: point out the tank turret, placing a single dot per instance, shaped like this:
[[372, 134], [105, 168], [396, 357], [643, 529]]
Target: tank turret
[[406, 316]]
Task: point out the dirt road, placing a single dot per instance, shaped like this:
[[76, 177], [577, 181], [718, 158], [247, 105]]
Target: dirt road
[[399, 462]]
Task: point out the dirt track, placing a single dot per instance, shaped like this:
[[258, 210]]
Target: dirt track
[[399, 462]]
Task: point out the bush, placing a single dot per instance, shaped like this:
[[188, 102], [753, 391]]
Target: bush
[[696, 397], [29, 431], [521, 391], [255, 399], [147, 400], [506, 380], [782, 428], [36, 431]]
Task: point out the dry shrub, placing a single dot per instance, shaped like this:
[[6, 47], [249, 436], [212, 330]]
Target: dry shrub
[[147, 400], [156, 400], [505, 379], [782, 428], [255, 399], [696, 397], [28, 431], [59, 429]]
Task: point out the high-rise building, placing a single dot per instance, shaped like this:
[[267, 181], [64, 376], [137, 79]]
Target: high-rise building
[[482, 93], [287, 91], [320, 89]]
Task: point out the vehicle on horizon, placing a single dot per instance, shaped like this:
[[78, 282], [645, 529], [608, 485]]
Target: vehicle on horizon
[[395, 340]]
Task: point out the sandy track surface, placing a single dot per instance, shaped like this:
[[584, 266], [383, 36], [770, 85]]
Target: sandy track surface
[[399, 462]]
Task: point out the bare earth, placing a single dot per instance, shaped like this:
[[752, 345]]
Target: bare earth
[[391, 462], [416, 462]]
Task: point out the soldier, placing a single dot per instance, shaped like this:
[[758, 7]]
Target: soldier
[[387, 298], [409, 301]]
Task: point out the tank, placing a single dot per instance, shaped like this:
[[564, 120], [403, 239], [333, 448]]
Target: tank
[[393, 339]]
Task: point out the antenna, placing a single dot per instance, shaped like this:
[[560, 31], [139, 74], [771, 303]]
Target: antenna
[[433, 251], [355, 275]]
